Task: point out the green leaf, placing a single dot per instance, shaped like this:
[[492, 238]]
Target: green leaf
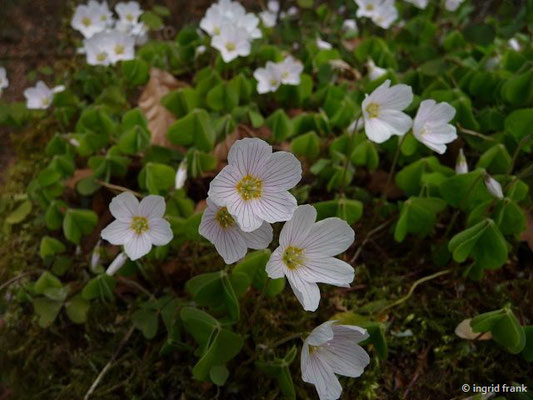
[[46, 281], [349, 210], [134, 140], [527, 353], [47, 310], [223, 97], [77, 223], [365, 154], [157, 178], [54, 214], [20, 213], [50, 247], [100, 287], [279, 369], [481, 34], [152, 20], [182, 101], [77, 308], [194, 129], [147, 321], [465, 191], [307, 145], [496, 160], [418, 216], [135, 71], [518, 124], [254, 267], [280, 125], [508, 332], [219, 374], [486, 322]]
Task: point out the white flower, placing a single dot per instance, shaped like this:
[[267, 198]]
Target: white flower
[[350, 25], [117, 263], [227, 13], [181, 175], [422, 4], [367, 8], [268, 78], [268, 18], [514, 44], [431, 125], [452, 5], [356, 125], [494, 187], [332, 349], [374, 72], [291, 70], [232, 42], [229, 9], [219, 227], [385, 14], [382, 111], [306, 255], [137, 226], [213, 21], [323, 45], [102, 12], [250, 24], [40, 97], [254, 185], [87, 19], [291, 12], [120, 46], [129, 12], [461, 166], [4, 82], [97, 49]]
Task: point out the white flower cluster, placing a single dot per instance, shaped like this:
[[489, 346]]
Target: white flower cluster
[[40, 96], [4, 82], [273, 75], [106, 40], [231, 28], [384, 117], [382, 12]]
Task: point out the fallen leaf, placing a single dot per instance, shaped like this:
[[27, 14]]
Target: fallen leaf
[[79, 174], [242, 131], [159, 118], [464, 331]]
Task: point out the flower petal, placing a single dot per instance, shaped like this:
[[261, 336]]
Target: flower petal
[[260, 238], [275, 206], [274, 267], [308, 293], [223, 188], [377, 130], [322, 376], [398, 121], [397, 97], [249, 156], [281, 172], [230, 245], [117, 232], [152, 207], [296, 230], [160, 232], [322, 334], [328, 270], [245, 212], [343, 355], [124, 207], [138, 246], [328, 237]]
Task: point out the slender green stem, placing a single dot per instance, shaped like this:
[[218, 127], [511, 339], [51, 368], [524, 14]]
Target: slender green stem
[[393, 167], [521, 144], [287, 339]]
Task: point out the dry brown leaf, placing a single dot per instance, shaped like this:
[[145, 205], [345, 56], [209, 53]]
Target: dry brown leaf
[[159, 118], [79, 174], [464, 331], [242, 131], [527, 235]]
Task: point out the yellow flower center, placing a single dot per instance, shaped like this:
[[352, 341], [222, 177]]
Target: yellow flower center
[[119, 49], [129, 17], [370, 7], [46, 101], [139, 225], [224, 218], [230, 46], [293, 257], [216, 30], [250, 188], [285, 74], [273, 82], [86, 21], [373, 110], [101, 57], [312, 349]]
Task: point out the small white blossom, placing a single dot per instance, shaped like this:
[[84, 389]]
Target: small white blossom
[[95, 256], [494, 187], [323, 45], [40, 97], [213, 21], [181, 175], [109, 47], [291, 12], [374, 72], [254, 185], [220, 228], [306, 255], [129, 12], [268, 78], [117, 263], [97, 49], [102, 12], [250, 24], [422, 4], [268, 18], [382, 111], [514, 44], [382, 12], [332, 350], [137, 226], [4, 82], [291, 69], [87, 19], [452, 5], [349, 25], [431, 125], [461, 166], [232, 42]]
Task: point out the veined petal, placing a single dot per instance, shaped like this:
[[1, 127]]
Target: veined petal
[[260, 238], [296, 230], [328, 237], [160, 232], [152, 207], [117, 232], [281, 172], [377, 130], [249, 156], [223, 188], [323, 333], [322, 376], [230, 245], [352, 333], [344, 356], [398, 121], [275, 206], [308, 293], [328, 270], [397, 97], [274, 267], [138, 246], [245, 213], [124, 207]]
